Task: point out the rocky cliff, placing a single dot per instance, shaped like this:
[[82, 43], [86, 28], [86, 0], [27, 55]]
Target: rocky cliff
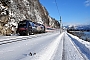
[[13, 11]]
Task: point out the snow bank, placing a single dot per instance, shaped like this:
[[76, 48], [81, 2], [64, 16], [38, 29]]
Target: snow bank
[[48, 52], [84, 46]]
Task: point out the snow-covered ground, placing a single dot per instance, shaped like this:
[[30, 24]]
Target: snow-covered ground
[[47, 46]]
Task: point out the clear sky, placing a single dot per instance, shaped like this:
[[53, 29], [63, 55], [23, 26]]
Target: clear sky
[[71, 11]]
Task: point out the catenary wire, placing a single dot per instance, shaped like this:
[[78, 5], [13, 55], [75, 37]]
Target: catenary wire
[[57, 8]]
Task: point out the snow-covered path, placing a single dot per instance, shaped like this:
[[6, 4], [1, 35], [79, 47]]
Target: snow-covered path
[[20, 50], [48, 46], [70, 51]]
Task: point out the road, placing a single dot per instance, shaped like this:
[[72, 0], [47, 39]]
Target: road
[[47, 46]]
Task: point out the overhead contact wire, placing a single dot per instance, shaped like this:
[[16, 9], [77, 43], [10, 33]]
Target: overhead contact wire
[[57, 8]]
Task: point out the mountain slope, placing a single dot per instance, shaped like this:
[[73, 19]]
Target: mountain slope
[[14, 11]]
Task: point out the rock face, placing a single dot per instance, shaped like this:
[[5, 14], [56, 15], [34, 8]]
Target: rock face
[[13, 11]]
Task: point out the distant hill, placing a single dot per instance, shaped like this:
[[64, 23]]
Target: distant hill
[[78, 27]]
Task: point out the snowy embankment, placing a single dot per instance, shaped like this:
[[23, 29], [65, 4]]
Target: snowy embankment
[[84, 46], [48, 52], [41, 45], [48, 46]]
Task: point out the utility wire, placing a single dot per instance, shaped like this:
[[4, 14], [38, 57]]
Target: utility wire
[[59, 15], [57, 8]]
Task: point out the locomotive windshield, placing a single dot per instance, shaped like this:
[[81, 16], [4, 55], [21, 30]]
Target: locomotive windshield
[[22, 24]]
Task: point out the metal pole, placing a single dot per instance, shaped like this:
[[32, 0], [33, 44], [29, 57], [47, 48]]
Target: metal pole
[[60, 24], [62, 27]]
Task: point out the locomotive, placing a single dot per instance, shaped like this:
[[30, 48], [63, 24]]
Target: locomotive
[[27, 27]]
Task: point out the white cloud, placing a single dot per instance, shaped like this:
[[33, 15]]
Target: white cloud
[[87, 2]]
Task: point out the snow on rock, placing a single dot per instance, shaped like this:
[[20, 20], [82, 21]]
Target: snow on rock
[[19, 10]]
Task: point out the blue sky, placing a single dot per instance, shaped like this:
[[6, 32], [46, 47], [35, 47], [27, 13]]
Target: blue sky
[[72, 11]]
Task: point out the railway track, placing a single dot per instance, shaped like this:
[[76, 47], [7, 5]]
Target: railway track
[[66, 48], [12, 39]]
